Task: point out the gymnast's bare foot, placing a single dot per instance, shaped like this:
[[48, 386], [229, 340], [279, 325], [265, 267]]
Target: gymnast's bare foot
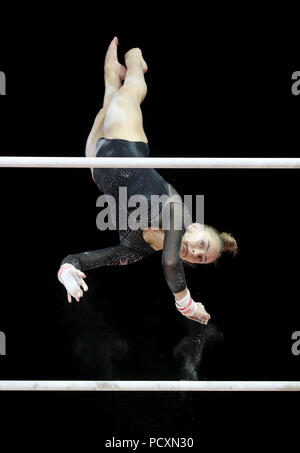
[[111, 60], [136, 54]]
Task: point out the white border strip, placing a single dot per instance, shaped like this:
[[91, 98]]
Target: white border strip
[[168, 386], [149, 162]]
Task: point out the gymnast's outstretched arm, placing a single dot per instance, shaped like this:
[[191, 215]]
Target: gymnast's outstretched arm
[[110, 256], [71, 270], [171, 261], [174, 272]]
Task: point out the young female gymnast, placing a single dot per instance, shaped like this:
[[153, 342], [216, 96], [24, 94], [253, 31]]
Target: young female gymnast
[[118, 132]]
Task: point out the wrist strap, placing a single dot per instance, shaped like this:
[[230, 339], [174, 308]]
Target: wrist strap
[[62, 268], [184, 301], [189, 309]]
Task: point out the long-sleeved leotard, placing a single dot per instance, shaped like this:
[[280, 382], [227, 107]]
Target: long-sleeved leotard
[[171, 261], [132, 246]]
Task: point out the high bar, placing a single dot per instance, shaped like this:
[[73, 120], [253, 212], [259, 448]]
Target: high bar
[[166, 386], [150, 162]]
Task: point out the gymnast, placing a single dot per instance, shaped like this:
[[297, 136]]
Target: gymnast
[[118, 132]]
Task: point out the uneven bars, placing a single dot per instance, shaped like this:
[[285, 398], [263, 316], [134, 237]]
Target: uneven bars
[[150, 162], [167, 386]]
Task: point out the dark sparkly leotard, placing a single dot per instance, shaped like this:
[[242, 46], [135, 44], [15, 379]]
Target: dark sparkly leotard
[[132, 246]]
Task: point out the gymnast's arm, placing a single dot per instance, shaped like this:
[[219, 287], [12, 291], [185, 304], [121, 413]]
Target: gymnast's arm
[[71, 270], [171, 261], [111, 256], [174, 272]]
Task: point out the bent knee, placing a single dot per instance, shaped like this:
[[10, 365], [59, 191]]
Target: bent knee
[[135, 88]]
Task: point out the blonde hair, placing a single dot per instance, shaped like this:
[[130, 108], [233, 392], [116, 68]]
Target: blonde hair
[[229, 243]]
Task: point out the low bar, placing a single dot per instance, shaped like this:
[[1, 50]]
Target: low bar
[[150, 162], [153, 386]]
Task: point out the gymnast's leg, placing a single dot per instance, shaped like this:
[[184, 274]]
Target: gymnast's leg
[[114, 74], [123, 117]]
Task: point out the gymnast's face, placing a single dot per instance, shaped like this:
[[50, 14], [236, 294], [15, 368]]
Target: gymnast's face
[[199, 245]]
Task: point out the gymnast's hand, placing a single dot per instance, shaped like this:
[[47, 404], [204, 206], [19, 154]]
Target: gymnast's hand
[[72, 279], [191, 309], [200, 315]]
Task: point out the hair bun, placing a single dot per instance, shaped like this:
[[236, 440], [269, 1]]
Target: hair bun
[[229, 243]]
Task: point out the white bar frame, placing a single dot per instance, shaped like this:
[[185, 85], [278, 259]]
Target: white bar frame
[[151, 162], [146, 386]]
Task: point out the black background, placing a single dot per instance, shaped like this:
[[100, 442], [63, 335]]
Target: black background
[[215, 88]]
